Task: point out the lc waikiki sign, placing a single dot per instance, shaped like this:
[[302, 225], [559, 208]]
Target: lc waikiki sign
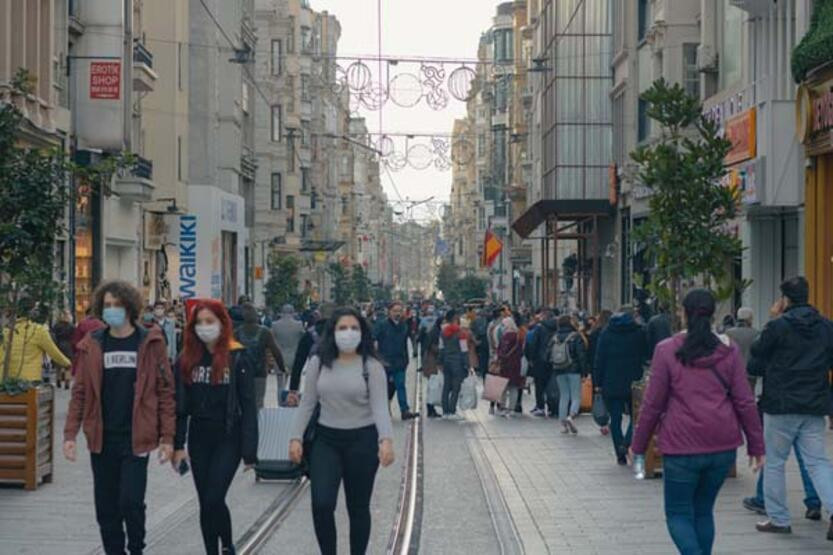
[[187, 256]]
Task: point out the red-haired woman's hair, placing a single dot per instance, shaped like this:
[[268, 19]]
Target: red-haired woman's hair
[[193, 349]]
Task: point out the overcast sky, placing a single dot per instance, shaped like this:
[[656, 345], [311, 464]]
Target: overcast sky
[[441, 28]]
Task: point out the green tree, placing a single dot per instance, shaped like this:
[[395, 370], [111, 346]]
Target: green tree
[[470, 287], [686, 233], [35, 191], [382, 293], [342, 291], [282, 285], [447, 279], [360, 284]]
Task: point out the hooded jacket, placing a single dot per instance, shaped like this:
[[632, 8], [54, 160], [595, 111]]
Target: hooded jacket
[[154, 411], [620, 354], [694, 411], [794, 353]]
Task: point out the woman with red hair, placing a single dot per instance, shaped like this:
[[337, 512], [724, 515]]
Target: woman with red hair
[[216, 416]]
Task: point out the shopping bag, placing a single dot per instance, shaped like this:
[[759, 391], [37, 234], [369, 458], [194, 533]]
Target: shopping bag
[[434, 395], [468, 394], [586, 395], [524, 367], [600, 414], [494, 387]]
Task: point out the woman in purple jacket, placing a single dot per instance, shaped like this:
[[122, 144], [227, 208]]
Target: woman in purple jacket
[[698, 389]]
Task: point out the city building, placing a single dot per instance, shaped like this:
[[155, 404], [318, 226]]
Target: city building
[[569, 218], [215, 251]]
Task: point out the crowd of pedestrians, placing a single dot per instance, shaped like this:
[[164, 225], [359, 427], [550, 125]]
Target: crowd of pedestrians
[[151, 377]]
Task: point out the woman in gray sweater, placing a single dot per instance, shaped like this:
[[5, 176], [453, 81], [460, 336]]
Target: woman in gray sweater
[[353, 434]]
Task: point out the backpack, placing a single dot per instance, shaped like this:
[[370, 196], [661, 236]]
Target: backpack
[[561, 356], [254, 349]]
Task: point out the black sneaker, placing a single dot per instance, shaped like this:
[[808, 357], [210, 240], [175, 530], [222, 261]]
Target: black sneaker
[[410, 415], [813, 514], [752, 504], [768, 526], [622, 460]]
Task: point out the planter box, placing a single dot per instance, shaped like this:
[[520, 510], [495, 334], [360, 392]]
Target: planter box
[[653, 458], [26, 437]]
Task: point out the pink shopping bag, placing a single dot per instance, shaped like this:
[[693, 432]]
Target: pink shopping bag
[[494, 387]]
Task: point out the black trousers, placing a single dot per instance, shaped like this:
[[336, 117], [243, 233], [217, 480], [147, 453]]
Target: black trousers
[[215, 457], [119, 481], [545, 392], [350, 456]]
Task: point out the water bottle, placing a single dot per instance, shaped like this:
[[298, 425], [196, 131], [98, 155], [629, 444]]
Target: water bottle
[[639, 467]]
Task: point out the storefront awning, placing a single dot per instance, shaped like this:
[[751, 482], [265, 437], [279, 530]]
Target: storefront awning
[[321, 246], [565, 210]]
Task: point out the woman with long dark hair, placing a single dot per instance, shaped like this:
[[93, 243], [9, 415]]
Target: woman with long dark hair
[[698, 388], [353, 434], [216, 416]]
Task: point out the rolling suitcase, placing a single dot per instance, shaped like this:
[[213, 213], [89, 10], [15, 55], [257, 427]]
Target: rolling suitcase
[[275, 427]]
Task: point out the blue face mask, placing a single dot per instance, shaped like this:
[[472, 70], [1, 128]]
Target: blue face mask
[[114, 316]]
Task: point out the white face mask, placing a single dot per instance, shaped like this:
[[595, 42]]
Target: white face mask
[[207, 332], [348, 341]]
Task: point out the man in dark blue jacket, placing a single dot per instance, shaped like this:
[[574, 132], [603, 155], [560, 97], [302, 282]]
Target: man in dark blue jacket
[[620, 355], [392, 342]]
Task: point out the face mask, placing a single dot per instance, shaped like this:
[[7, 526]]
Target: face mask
[[147, 318], [208, 332], [348, 341], [114, 316]]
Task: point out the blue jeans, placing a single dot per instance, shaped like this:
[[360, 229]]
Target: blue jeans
[[569, 402], [692, 483], [811, 498], [807, 434], [616, 409], [396, 383]]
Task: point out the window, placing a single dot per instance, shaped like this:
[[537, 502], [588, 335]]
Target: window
[[277, 191], [644, 123], [731, 45], [344, 203], [305, 92], [277, 56], [290, 94], [292, 154], [481, 145], [504, 45], [290, 38], [644, 12], [305, 180], [290, 217], [277, 124], [691, 74], [313, 200], [305, 126], [306, 40], [179, 158], [619, 129], [304, 225]]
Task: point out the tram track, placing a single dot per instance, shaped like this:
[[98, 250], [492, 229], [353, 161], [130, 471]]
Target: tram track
[[405, 533]]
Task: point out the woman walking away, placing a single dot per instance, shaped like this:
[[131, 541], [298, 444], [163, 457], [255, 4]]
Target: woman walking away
[[509, 353], [698, 388], [216, 416], [353, 433], [431, 358], [567, 359]]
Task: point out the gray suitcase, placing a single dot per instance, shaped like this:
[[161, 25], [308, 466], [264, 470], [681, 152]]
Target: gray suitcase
[[275, 427]]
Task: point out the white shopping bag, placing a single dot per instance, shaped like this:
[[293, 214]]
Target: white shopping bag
[[468, 394], [434, 395]]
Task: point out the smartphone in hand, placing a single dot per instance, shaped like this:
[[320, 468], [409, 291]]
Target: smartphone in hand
[[183, 468]]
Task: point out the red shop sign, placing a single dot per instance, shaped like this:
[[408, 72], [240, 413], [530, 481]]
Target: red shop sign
[[105, 80]]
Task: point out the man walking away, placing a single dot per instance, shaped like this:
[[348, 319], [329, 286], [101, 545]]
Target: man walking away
[[795, 353], [620, 354], [456, 356], [392, 344], [744, 334], [546, 386], [480, 331], [288, 331], [257, 340], [658, 329]]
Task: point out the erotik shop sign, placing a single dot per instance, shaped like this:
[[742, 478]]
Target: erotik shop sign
[[105, 80]]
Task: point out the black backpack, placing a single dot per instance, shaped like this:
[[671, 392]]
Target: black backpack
[[254, 348]]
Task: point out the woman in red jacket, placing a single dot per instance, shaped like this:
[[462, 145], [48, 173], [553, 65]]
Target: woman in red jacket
[[698, 388], [509, 353]]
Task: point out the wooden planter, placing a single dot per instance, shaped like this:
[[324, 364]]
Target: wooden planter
[[653, 458], [26, 437]]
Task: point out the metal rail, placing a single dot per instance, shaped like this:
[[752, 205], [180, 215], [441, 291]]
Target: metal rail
[[264, 527]]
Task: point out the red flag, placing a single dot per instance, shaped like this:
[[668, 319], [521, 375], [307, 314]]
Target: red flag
[[492, 248]]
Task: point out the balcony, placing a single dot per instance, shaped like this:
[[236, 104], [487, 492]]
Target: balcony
[[137, 185], [144, 78], [248, 163]]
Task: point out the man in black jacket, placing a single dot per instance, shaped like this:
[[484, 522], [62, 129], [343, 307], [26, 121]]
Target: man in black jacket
[[794, 354], [546, 388]]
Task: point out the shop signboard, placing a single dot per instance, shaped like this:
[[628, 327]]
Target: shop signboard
[[741, 131], [187, 256], [105, 80]]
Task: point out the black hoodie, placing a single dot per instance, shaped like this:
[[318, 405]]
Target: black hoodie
[[794, 354]]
